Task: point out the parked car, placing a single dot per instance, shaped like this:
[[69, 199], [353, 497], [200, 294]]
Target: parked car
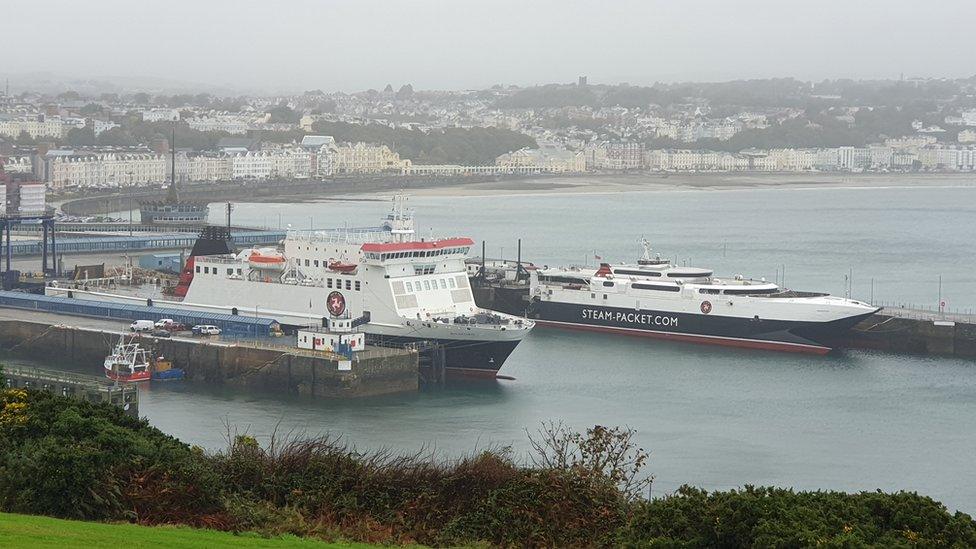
[[169, 324], [161, 332], [206, 329], [142, 326]]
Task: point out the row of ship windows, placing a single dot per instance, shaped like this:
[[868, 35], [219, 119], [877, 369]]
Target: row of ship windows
[[712, 291], [431, 285], [338, 284], [329, 282], [209, 270], [676, 274], [424, 253]]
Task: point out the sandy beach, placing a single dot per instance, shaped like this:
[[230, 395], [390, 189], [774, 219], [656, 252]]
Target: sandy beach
[[613, 183]]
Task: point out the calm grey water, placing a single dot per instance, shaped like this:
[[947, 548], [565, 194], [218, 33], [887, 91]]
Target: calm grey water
[[713, 417]]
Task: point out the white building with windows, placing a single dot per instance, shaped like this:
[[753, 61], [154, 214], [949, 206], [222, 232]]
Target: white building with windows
[[160, 115], [36, 126], [17, 164], [291, 163], [230, 123], [203, 167], [252, 165], [547, 160], [364, 158], [104, 169]]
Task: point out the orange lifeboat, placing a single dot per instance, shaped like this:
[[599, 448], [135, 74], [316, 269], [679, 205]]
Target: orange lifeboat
[[341, 267], [266, 260]]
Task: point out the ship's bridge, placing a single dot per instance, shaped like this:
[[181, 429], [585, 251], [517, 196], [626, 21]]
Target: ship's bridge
[[383, 253]]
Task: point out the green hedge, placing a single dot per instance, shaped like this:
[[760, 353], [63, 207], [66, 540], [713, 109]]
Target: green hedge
[[72, 459]]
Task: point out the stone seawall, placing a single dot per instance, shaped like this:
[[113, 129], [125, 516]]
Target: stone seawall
[[378, 372], [277, 190]]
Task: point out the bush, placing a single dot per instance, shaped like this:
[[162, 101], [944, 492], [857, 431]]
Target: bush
[[776, 517], [75, 459], [90, 461]]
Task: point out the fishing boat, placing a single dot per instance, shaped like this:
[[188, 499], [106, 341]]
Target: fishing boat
[[128, 362]]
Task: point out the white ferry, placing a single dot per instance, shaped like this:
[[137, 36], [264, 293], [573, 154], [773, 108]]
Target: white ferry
[[403, 289], [657, 299]]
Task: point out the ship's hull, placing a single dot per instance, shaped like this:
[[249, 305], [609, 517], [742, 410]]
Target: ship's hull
[[464, 359], [796, 336]]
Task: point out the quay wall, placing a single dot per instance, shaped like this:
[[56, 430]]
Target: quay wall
[[913, 336], [383, 371]]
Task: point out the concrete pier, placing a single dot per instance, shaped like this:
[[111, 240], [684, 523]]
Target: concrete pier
[[267, 367], [72, 385]]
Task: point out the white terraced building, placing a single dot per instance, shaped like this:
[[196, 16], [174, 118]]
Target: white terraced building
[[204, 167], [251, 165], [363, 158], [35, 126], [89, 170], [17, 164]]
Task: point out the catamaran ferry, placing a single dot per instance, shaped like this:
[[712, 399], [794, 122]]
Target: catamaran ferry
[[401, 289], [658, 299]]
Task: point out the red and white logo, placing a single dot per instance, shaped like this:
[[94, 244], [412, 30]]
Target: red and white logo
[[335, 303], [706, 307]]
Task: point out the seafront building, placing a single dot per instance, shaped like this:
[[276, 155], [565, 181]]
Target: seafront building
[[36, 126], [364, 158], [62, 169]]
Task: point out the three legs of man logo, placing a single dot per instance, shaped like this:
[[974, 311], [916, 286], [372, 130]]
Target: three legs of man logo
[[706, 307], [336, 303]]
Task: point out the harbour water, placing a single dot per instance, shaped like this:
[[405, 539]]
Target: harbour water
[[713, 417]]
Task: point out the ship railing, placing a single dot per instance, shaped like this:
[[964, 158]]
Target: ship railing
[[62, 377], [483, 321], [916, 311], [359, 235]]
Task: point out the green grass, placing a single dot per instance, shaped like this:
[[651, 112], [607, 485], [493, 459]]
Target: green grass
[[30, 531]]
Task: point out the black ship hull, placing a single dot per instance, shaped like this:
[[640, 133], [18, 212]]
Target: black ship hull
[[754, 333], [463, 358]]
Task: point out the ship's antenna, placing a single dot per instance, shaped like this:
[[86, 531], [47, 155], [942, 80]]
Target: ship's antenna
[[646, 246]]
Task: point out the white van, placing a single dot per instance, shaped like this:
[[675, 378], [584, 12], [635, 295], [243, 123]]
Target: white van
[[165, 322], [142, 326]]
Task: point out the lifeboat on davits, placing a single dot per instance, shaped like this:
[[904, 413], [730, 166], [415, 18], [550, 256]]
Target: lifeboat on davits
[[342, 267], [266, 259]]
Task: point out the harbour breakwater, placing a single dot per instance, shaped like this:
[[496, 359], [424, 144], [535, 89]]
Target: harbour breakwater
[[283, 370]]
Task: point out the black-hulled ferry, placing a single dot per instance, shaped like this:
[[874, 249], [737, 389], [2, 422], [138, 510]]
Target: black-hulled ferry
[[655, 298]]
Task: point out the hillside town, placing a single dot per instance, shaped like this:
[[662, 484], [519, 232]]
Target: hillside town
[[75, 139]]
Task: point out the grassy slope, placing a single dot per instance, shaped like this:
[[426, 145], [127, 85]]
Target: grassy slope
[[29, 531]]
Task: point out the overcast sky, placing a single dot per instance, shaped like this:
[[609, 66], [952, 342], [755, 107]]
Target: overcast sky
[[354, 45]]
